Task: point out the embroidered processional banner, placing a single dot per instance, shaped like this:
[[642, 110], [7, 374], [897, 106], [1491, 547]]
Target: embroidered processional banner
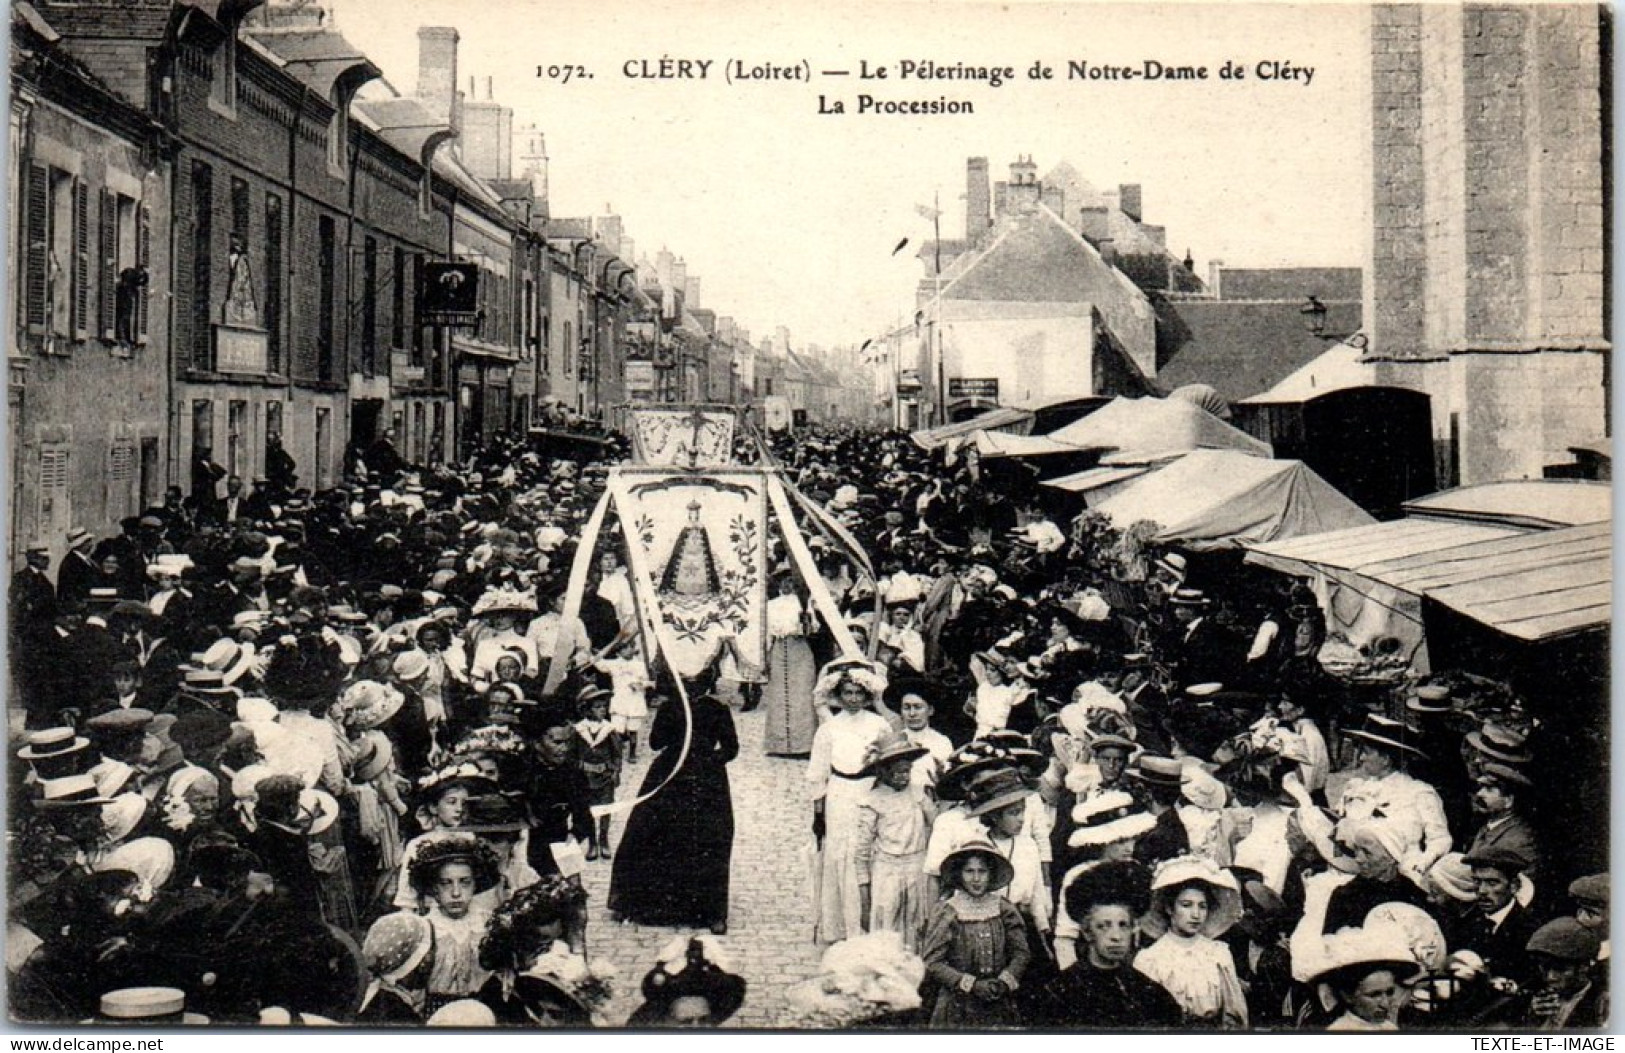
[[698, 548], [683, 437]]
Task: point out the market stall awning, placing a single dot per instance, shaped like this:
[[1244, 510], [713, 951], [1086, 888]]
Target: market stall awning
[[1537, 503], [1006, 419], [995, 444], [1362, 547], [1534, 586], [1094, 479], [1222, 498], [1146, 430]]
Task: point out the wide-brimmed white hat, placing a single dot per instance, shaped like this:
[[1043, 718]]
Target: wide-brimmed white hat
[[1222, 888], [1107, 818]]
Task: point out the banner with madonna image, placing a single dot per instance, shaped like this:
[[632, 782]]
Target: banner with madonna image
[[683, 436], [703, 541]]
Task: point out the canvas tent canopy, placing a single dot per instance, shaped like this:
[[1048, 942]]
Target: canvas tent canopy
[[995, 444], [1535, 503], [1143, 431], [1211, 499], [1099, 483], [1005, 419]]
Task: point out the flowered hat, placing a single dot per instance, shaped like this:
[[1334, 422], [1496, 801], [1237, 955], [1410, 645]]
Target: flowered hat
[[1223, 892], [368, 704], [1107, 818], [868, 675], [457, 848], [859, 979], [690, 967]]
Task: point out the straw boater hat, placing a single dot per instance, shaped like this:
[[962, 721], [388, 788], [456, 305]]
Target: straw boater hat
[[1430, 698], [1221, 887], [133, 1006], [891, 747], [1158, 771], [52, 744], [1501, 743], [1108, 818], [70, 791], [1002, 872]]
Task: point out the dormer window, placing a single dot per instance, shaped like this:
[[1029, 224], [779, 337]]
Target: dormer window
[[338, 132]]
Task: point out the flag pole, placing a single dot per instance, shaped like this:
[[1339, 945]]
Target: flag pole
[[936, 231]]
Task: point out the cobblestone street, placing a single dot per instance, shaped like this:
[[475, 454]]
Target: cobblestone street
[[769, 922]]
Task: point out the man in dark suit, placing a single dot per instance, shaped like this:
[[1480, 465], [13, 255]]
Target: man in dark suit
[[32, 597], [1495, 804], [1499, 930], [78, 573], [1205, 652]]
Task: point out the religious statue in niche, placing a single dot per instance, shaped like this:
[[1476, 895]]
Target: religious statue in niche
[[691, 570], [240, 306]]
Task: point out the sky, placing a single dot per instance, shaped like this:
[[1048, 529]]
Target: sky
[[790, 216]]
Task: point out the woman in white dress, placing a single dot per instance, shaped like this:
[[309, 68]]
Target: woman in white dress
[[1196, 902], [840, 751]]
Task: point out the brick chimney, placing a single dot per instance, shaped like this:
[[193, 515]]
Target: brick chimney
[[1128, 200], [437, 74], [691, 295], [1094, 224], [1021, 194], [977, 199], [1215, 269], [1054, 199], [487, 134]]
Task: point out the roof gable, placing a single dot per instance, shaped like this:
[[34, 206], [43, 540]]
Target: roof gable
[[1036, 257]]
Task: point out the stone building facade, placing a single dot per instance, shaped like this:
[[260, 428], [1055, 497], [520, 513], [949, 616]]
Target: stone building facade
[[1488, 284], [89, 357]]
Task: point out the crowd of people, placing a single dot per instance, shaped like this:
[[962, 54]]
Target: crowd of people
[[290, 757]]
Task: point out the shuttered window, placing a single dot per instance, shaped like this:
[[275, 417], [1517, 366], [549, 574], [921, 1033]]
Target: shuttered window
[[53, 485], [36, 295], [81, 260], [107, 287], [121, 460], [143, 260], [273, 283], [202, 265]]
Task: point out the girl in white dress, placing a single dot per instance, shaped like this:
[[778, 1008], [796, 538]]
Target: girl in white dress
[[1196, 902], [840, 751]]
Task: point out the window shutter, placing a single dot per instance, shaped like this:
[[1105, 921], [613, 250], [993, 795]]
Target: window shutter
[[107, 291], [81, 260], [38, 255], [143, 260], [53, 486]]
